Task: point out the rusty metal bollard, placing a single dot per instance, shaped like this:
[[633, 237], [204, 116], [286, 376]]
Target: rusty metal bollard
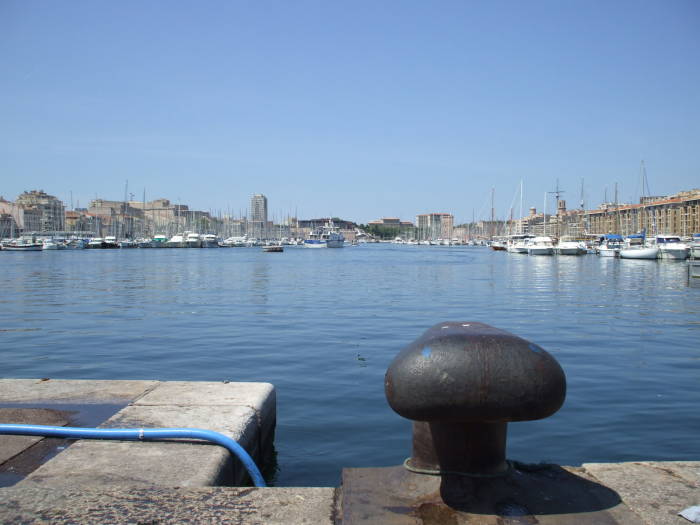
[[461, 383]]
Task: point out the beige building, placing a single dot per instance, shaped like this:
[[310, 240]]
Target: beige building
[[19, 219], [676, 215], [49, 209], [435, 226]]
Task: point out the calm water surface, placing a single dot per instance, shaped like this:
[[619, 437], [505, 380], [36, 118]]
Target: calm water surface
[[323, 325]]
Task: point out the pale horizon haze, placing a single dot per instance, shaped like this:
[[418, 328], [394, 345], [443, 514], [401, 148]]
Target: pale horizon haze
[[359, 110]]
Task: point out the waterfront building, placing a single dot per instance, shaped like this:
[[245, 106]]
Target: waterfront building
[[50, 210], [22, 219], [116, 218], [258, 216], [8, 226], [391, 227], [435, 226], [677, 214]]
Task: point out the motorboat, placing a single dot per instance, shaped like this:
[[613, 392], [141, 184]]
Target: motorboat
[[328, 236], [143, 242], [95, 243], [610, 245], [110, 242], [159, 241], [635, 248], [498, 245], [76, 244], [126, 243], [541, 246], [568, 246], [234, 242], [22, 245], [518, 243], [100, 243], [51, 244], [672, 247], [210, 240], [193, 240], [176, 241]]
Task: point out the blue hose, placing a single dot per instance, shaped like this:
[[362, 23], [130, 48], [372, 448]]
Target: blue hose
[[143, 434]]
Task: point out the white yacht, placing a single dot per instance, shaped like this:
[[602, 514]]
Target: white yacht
[[193, 240], [672, 247], [519, 242], [95, 242], [568, 246], [176, 241], [110, 241], [635, 248], [159, 241], [210, 240], [326, 237], [541, 246], [610, 245], [50, 244], [144, 242], [234, 242]]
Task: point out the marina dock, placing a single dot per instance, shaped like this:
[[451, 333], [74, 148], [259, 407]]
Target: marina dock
[[53, 481]]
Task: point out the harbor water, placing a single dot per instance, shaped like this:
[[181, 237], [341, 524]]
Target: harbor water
[[323, 325]]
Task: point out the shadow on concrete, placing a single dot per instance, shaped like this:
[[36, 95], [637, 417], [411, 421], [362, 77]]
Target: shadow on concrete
[[528, 494]]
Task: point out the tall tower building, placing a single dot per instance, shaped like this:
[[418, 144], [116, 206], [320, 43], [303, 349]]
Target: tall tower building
[[258, 208], [258, 216]]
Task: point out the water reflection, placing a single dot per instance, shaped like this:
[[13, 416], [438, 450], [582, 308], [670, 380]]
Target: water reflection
[[260, 283]]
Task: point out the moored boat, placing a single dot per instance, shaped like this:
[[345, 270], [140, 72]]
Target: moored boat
[[22, 245], [328, 236], [672, 247], [159, 241], [519, 242], [636, 248], [210, 240], [541, 246], [193, 240], [110, 242], [610, 245], [568, 246], [176, 241]]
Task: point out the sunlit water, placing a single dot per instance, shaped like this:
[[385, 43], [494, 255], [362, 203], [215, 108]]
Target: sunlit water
[[323, 325]]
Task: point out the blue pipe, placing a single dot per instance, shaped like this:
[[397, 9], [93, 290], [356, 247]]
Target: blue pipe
[[143, 434]]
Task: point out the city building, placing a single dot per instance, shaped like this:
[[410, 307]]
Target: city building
[[50, 210], [435, 226], [18, 220], [258, 216]]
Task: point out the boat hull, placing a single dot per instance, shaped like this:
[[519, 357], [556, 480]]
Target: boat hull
[[608, 252], [680, 254], [639, 253], [26, 248], [314, 243], [540, 251], [571, 251]]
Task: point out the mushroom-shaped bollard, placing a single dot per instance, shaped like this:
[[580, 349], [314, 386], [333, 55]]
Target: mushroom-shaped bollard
[[461, 383]]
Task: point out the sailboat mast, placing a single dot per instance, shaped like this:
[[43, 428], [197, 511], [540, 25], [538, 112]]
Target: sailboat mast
[[521, 207], [493, 224], [544, 216]]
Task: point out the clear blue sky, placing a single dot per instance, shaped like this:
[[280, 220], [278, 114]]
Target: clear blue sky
[[357, 109]]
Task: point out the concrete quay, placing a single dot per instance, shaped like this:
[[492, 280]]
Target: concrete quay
[[176, 481]]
